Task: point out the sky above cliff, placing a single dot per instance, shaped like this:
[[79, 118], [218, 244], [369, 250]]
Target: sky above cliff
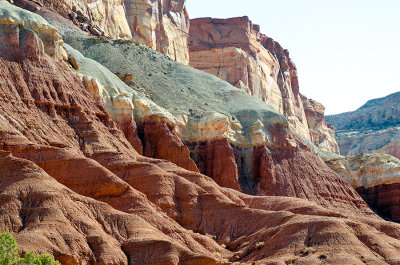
[[346, 51]]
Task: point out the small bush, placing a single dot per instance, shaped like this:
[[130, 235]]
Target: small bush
[[9, 254], [8, 249], [323, 256], [307, 251]]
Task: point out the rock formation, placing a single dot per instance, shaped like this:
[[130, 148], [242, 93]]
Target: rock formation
[[235, 50], [72, 182], [376, 177], [322, 134], [373, 128], [161, 25], [186, 100]]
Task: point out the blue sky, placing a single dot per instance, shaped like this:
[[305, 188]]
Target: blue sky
[[346, 51]]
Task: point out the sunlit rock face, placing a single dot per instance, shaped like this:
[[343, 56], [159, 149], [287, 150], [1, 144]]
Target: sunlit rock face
[[373, 128], [235, 138], [322, 133], [235, 50], [99, 17], [73, 183], [161, 24], [376, 177], [370, 135]]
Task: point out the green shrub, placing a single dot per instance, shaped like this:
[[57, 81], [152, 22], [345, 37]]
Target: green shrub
[[9, 254], [8, 249]]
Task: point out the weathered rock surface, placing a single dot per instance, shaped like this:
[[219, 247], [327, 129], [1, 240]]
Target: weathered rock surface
[[161, 25], [235, 50], [217, 160], [73, 184], [180, 92], [376, 177], [160, 141], [322, 133], [373, 128], [99, 17]]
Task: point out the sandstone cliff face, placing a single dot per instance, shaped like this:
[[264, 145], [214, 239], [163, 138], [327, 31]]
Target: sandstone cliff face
[[235, 50], [373, 128], [322, 133], [376, 177], [124, 208], [161, 25], [228, 142], [99, 17]]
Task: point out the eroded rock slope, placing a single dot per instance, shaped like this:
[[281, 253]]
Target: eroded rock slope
[[74, 183], [161, 25], [235, 50]]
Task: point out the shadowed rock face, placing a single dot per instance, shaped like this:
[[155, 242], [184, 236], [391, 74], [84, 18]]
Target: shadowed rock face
[[235, 50], [376, 178], [71, 184]]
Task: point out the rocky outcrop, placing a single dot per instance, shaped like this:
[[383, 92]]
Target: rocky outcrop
[[322, 133], [72, 183], [370, 136], [373, 128], [161, 25], [224, 139], [376, 177], [216, 159], [235, 50], [213, 41], [160, 141], [99, 17]]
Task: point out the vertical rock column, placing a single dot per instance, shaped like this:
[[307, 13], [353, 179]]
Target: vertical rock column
[[161, 25]]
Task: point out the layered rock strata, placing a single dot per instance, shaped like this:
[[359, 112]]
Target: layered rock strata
[[161, 25], [322, 134], [235, 50], [72, 183], [229, 142], [373, 128], [376, 177]]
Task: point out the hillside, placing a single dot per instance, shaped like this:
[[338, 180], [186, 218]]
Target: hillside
[[373, 128], [114, 153]]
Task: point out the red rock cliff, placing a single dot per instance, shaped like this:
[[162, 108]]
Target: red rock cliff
[[72, 185], [235, 50]]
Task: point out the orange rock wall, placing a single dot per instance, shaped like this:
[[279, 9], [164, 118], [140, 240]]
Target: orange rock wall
[[235, 50]]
